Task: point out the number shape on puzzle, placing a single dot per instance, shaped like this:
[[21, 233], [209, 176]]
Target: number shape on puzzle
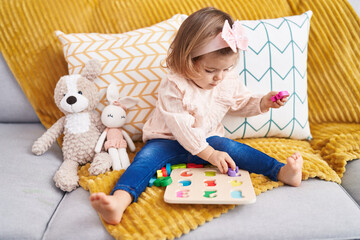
[[210, 183], [182, 193], [186, 173], [210, 194], [236, 194], [185, 183], [235, 183], [210, 173]]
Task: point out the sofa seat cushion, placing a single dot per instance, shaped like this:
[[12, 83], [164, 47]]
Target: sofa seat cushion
[[76, 219], [28, 194], [351, 179], [316, 210]]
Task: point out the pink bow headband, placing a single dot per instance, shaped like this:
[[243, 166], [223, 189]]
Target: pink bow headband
[[233, 37]]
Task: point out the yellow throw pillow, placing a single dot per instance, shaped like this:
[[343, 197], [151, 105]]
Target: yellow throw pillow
[[132, 60]]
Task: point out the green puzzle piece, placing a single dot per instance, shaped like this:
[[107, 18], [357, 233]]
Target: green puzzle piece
[[163, 181]]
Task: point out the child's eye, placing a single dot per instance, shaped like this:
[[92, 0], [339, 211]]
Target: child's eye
[[209, 71]]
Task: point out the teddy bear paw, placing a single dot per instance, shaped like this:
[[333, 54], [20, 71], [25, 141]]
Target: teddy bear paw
[[66, 177], [102, 163], [67, 184], [38, 148]]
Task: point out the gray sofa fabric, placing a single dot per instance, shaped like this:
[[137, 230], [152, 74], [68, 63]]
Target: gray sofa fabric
[[14, 107], [28, 194], [36, 209], [316, 210], [351, 179], [76, 216]]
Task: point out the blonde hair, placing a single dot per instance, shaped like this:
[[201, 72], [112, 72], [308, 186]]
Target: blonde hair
[[196, 31]]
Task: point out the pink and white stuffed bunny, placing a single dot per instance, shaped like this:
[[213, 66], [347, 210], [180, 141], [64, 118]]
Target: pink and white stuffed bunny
[[114, 117]]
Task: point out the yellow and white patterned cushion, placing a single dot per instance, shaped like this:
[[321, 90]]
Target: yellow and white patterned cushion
[[132, 60]]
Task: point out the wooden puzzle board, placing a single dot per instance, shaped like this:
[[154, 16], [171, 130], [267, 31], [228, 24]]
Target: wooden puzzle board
[[209, 186]]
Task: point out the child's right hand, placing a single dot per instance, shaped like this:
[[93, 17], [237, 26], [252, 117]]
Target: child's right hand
[[222, 161]]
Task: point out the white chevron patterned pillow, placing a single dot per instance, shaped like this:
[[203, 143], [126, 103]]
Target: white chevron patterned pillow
[[276, 60], [132, 60]]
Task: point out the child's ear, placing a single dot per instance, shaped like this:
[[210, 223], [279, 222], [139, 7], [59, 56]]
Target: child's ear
[[128, 102], [92, 69]]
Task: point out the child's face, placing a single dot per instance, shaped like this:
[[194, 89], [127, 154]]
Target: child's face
[[212, 68]]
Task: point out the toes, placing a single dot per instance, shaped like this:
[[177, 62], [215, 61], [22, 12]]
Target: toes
[[97, 196], [291, 159], [94, 197]]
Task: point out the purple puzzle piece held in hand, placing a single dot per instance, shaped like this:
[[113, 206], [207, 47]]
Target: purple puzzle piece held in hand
[[279, 96], [233, 173]]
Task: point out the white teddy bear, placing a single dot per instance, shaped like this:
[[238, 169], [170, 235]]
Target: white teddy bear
[[77, 97], [114, 117]]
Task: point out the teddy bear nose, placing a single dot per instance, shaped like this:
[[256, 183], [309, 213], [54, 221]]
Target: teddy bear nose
[[71, 100]]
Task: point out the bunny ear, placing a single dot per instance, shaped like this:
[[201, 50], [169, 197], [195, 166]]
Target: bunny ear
[[112, 93], [92, 69], [128, 102]]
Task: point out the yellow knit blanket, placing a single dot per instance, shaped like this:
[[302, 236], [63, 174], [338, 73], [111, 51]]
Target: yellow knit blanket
[[151, 218], [35, 57]]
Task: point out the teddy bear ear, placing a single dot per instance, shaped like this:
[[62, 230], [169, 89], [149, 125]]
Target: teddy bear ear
[[112, 93], [128, 102], [92, 69]]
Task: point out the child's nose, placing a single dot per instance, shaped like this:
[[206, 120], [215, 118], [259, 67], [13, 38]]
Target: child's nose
[[218, 76]]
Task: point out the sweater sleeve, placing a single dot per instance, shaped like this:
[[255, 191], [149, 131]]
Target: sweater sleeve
[[180, 122], [246, 103]]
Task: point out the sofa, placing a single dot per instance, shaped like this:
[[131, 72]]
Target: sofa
[[33, 208]]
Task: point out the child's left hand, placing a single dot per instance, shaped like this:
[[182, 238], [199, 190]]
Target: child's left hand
[[267, 103]]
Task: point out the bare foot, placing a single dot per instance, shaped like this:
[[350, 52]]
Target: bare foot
[[291, 173], [111, 207]]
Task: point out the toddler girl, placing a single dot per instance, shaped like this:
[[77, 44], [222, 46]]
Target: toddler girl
[[185, 126]]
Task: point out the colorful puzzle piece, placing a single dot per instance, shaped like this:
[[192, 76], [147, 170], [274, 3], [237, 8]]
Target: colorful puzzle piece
[[163, 181], [233, 173], [194, 165], [280, 95], [152, 180], [177, 166]]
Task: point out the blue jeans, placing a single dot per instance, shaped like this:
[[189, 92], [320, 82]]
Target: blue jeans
[[157, 152]]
